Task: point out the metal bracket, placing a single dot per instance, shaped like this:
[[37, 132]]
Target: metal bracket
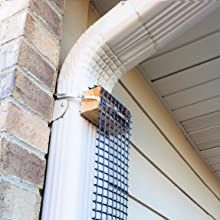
[[60, 108], [59, 96], [69, 97], [62, 103]]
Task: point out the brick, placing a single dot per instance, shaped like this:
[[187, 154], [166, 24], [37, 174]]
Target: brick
[[48, 14], [18, 52], [3, 115], [9, 8], [16, 84], [17, 203], [41, 8], [37, 65], [19, 162], [34, 31], [26, 91], [6, 84], [10, 28], [43, 40], [59, 3], [24, 126], [9, 54]]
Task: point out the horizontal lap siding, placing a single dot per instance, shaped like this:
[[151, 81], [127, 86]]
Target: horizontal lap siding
[[152, 187], [138, 211], [165, 172]]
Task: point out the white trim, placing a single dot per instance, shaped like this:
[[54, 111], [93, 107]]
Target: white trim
[[125, 36]]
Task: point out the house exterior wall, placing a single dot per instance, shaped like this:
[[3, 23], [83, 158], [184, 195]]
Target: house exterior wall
[[30, 34], [74, 24], [168, 180], [78, 16]]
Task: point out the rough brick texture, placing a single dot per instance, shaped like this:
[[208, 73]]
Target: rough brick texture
[[19, 52], [30, 34], [36, 65], [17, 203], [24, 126], [36, 32], [15, 83], [46, 12], [17, 161], [59, 3], [9, 28], [9, 54]]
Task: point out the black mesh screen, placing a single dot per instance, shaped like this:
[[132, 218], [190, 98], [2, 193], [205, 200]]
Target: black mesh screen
[[111, 171]]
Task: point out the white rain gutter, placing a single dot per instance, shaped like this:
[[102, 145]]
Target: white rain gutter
[[127, 35]]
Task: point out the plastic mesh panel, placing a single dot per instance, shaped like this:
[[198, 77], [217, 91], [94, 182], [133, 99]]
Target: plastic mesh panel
[[112, 150]]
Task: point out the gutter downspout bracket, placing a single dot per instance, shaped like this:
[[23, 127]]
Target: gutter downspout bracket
[[60, 109]]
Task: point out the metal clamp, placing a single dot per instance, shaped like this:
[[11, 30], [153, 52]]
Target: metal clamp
[[62, 103], [59, 96]]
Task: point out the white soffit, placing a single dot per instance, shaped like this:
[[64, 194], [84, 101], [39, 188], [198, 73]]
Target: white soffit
[[186, 76]]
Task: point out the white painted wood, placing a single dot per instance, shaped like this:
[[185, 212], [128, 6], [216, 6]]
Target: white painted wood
[[211, 152], [205, 134], [198, 109], [154, 189], [139, 212], [146, 136], [202, 122], [188, 78], [193, 95], [183, 57]]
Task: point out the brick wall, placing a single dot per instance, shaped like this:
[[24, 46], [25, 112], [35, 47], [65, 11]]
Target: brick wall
[[30, 32]]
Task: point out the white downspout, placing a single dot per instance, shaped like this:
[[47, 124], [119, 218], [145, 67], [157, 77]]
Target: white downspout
[[128, 34]]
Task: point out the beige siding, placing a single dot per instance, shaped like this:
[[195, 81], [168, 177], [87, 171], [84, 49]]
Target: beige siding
[[166, 173], [138, 211], [74, 24]]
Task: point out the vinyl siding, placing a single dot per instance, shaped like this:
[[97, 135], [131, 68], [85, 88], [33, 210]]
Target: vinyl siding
[[167, 177]]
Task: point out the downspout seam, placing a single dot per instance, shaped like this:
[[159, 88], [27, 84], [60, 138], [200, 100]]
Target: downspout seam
[[149, 34]]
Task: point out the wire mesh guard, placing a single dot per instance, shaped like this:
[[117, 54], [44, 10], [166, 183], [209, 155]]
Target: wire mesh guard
[[111, 171]]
